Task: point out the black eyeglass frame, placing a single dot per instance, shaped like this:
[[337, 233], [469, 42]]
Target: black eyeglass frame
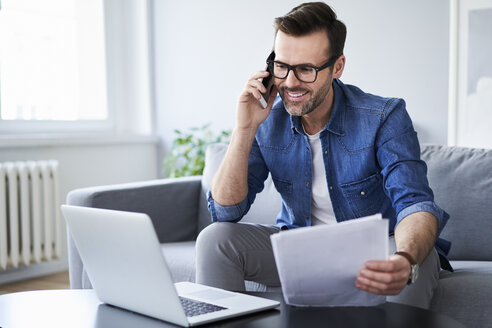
[[293, 68]]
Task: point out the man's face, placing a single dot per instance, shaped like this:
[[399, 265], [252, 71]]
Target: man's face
[[302, 98]]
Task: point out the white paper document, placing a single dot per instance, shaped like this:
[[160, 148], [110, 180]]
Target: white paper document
[[318, 265]]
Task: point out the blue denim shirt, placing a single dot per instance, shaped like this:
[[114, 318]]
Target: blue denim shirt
[[372, 162]]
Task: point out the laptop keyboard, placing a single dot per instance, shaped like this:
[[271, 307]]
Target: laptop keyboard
[[193, 308]]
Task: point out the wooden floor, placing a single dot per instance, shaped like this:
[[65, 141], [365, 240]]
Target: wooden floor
[[54, 281]]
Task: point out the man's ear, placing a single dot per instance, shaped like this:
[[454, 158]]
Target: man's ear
[[338, 67]]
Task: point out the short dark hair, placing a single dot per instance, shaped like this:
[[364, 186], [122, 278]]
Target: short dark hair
[[312, 17]]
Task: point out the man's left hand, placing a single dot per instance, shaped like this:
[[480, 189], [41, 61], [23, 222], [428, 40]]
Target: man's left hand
[[384, 277]]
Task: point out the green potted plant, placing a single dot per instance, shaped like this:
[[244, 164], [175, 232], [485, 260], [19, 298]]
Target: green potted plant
[[187, 155]]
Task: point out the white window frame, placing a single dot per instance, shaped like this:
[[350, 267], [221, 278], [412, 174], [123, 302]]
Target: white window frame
[[458, 71], [127, 40]]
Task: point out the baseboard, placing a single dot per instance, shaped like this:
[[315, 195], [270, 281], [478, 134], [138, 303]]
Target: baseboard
[[33, 271]]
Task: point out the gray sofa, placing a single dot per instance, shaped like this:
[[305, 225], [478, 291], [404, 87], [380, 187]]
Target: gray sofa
[[460, 177]]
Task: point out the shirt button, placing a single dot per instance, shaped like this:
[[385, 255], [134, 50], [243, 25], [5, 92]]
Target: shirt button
[[307, 184], [326, 152], [331, 187], [362, 193]]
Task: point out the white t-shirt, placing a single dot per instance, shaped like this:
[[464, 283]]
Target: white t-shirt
[[321, 206]]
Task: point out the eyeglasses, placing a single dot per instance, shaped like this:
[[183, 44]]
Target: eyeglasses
[[304, 72]]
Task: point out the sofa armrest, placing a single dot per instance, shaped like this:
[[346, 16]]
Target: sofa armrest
[[172, 205]]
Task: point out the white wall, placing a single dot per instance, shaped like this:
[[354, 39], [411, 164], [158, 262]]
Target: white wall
[[204, 52], [90, 161]]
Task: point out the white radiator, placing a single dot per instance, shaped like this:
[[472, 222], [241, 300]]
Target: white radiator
[[30, 221]]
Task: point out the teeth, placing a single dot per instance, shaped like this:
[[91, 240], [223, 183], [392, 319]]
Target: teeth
[[296, 94]]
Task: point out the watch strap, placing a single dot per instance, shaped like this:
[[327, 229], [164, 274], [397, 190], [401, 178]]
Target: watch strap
[[413, 265], [408, 257]]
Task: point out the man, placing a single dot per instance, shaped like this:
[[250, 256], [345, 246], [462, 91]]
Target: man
[[335, 153]]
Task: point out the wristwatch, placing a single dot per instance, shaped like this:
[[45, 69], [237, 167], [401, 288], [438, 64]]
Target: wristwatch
[[414, 273]]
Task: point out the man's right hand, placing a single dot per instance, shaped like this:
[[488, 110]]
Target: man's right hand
[[230, 183], [250, 113]]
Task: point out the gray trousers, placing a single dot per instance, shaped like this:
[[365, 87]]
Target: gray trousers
[[227, 254]]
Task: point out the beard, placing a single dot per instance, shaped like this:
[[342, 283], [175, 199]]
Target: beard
[[302, 108]]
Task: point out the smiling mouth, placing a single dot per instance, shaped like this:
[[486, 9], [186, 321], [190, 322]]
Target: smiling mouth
[[296, 94]]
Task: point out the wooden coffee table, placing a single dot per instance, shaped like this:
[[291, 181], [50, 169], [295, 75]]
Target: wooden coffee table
[[82, 308]]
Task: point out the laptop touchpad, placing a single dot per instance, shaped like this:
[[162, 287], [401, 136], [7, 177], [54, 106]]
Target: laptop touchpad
[[212, 294]]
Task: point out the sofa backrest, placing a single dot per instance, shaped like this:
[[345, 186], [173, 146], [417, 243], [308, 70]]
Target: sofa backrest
[[461, 179]]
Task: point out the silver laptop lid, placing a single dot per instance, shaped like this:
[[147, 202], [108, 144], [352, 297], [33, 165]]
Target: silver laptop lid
[[123, 259]]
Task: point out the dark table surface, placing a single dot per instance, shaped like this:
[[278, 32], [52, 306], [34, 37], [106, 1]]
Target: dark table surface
[[81, 308]]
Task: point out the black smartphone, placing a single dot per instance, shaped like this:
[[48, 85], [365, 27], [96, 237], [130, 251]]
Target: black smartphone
[[268, 83]]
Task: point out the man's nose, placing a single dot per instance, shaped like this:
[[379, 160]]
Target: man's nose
[[291, 80]]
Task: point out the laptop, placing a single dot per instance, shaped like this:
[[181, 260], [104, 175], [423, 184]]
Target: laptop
[[125, 263]]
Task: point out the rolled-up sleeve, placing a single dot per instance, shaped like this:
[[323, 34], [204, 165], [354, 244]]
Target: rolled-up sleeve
[[426, 206], [231, 213]]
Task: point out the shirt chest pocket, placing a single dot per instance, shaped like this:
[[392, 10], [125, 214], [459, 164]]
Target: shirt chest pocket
[[365, 197]]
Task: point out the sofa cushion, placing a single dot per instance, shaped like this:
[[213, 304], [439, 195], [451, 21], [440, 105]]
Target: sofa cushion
[[180, 258], [465, 293], [267, 203], [461, 179]]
